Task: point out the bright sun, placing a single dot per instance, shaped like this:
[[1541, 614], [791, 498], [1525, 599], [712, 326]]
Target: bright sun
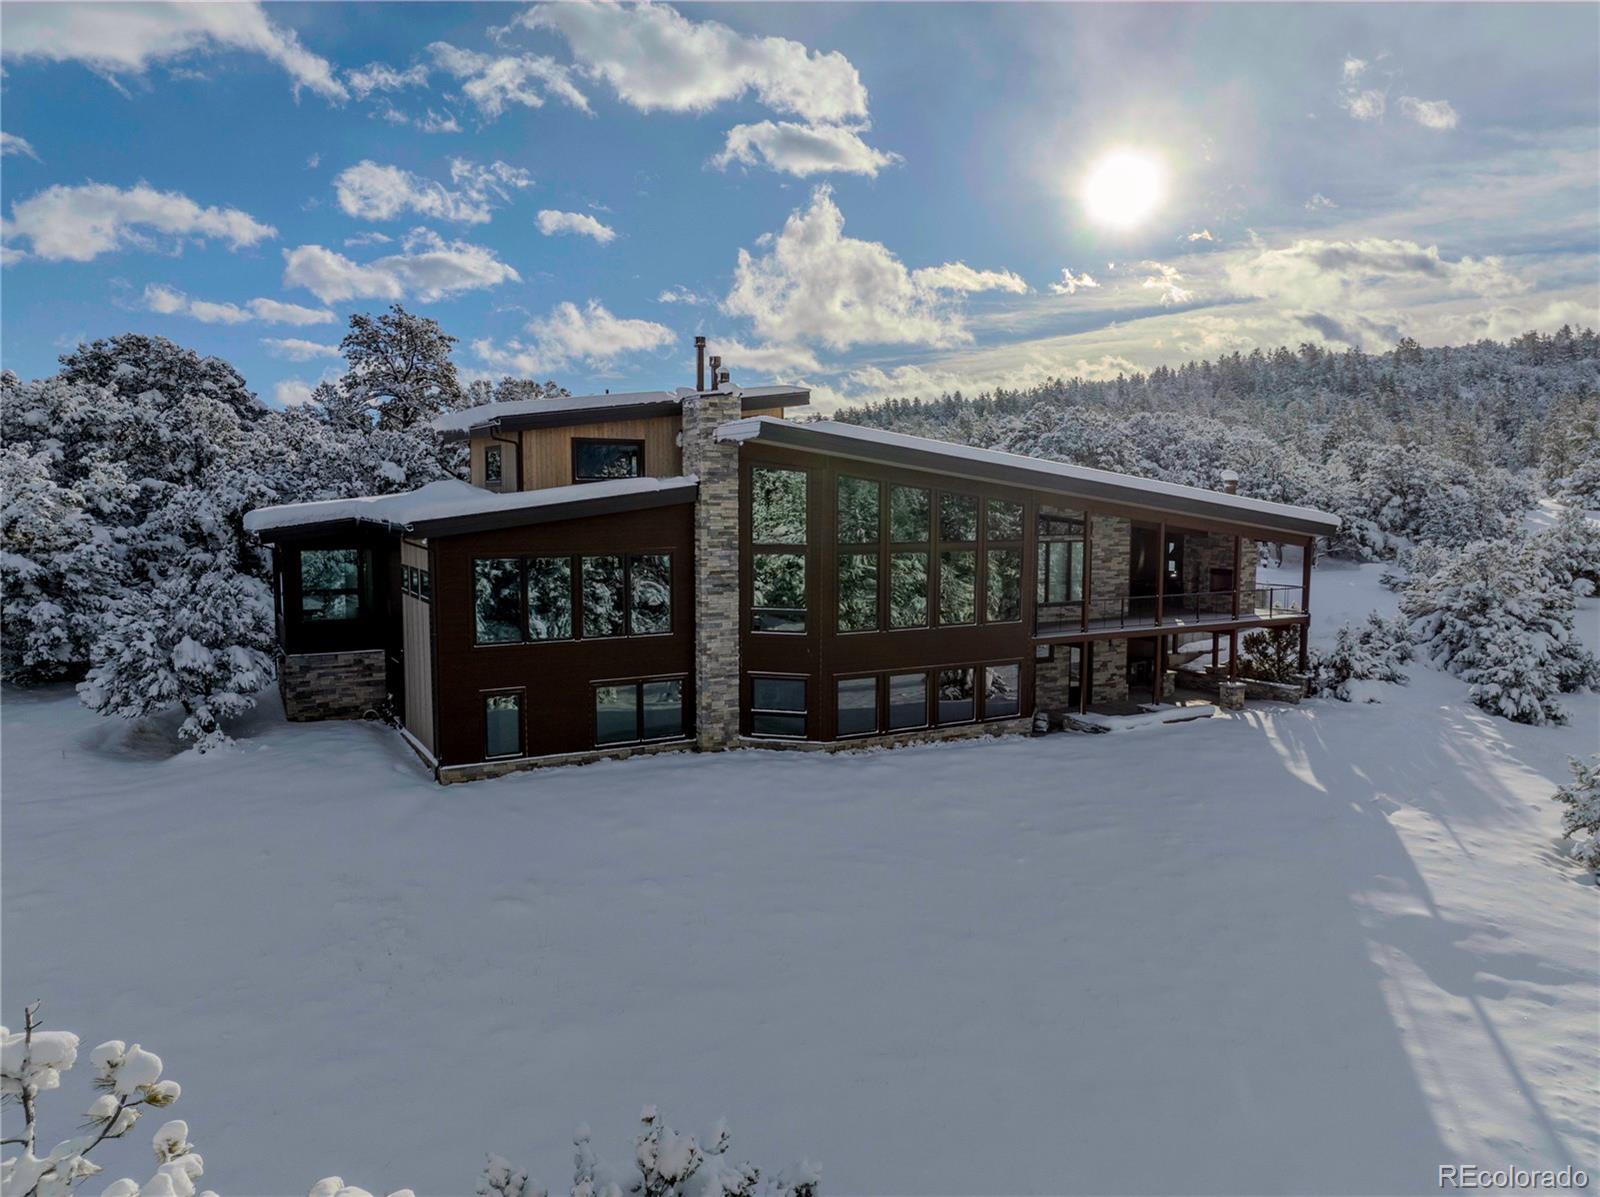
[[1123, 188]]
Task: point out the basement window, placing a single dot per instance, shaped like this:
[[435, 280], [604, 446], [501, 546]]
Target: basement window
[[778, 706]]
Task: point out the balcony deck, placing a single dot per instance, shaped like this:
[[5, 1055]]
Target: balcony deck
[[1179, 613]]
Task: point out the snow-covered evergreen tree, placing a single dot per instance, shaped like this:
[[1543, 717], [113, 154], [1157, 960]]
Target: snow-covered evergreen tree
[[1270, 656], [1374, 651], [1571, 549], [199, 638], [133, 365], [1497, 618], [400, 367], [1580, 816]]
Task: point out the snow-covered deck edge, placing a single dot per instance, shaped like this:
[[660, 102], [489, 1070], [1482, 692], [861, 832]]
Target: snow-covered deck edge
[[436, 506], [828, 436]]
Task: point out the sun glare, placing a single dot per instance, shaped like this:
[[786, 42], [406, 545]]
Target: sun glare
[[1123, 188]]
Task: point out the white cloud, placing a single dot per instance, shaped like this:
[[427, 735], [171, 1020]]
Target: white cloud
[[1363, 103], [1319, 201], [297, 350], [816, 284], [804, 150], [657, 59], [1202, 235], [169, 301], [10, 143], [492, 83], [552, 223], [1430, 114], [1071, 284], [291, 392], [428, 268], [435, 122], [369, 191], [590, 334], [77, 224], [379, 76], [1316, 273], [1166, 279], [680, 294], [767, 360], [958, 276], [120, 39], [313, 161]]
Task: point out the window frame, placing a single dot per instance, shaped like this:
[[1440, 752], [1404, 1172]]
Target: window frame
[[753, 711], [497, 451], [578, 607], [579, 442], [359, 590], [759, 549], [888, 689], [972, 673], [878, 714], [520, 693], [638, 684], [983, 690]]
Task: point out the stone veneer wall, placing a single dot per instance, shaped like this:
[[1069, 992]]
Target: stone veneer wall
[[1110, 553], [1203, 553], [716, 567], [1052, 680], [1108, 672], [342, 685]]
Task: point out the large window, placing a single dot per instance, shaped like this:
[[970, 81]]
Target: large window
[[1002, 694], [856, 708], [958, 518], [497, 592], [778, 571], [637, 712], [550, 598], [859, 532], [1060, 582], [502, 724], [531, 599], [908, 701], [1004, 585], [778, 706], [957, 699], [330, 584], [908, 590], [599, 461], [958, 574]]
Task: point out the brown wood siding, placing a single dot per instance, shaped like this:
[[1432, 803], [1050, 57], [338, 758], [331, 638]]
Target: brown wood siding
[[418, 647], [824, 654], [547, 452], [555, 677]]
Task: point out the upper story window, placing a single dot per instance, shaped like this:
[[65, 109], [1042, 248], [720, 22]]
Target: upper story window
[[519, 599], [330, 584], [778, 540], [601, 461], [494, 466], [1060, 559]]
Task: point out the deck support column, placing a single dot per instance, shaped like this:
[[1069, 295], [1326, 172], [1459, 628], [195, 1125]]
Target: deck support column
[[1308, 556], [1088, 568], [1233, 655], [1305, 647], [1161, 672], [1216, 658]]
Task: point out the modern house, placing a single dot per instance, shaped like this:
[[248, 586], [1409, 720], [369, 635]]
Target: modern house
[[672, 569]]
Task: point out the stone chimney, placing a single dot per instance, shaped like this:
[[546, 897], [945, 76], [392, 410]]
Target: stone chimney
[[1230, 482], [716, 565]]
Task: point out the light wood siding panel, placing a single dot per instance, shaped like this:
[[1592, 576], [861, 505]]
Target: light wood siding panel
[[548, 451], [417, 631], [508, 460]]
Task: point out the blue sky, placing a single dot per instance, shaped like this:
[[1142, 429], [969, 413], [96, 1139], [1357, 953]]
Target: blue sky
[[886, 199]]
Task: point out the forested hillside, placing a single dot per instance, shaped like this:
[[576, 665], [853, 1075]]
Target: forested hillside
[[1439, 445]]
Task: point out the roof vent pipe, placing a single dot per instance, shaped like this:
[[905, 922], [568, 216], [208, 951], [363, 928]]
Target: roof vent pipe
[[722, 377], [716, 367], [699, 363], [1230, 482]]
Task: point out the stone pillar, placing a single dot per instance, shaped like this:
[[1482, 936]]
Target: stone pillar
[[1230, 696], [1109, 671], [1111, 548], [716, 566], [338, 685]]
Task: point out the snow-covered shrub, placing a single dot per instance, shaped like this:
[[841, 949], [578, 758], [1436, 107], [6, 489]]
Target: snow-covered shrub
[[1374, 651], [1495, 616], [31, 1064], [1413, 561], [1580, 820], [665, 1163], [1571, 548], [1270, 656], [202, 640]]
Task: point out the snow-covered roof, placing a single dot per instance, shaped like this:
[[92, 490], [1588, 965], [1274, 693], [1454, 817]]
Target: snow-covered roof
[[453, 505], [572, 409], [874, 444]]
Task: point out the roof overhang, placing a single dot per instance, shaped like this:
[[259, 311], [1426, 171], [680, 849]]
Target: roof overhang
[[1010, 469], [752, 399]]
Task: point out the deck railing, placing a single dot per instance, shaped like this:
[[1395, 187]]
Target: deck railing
[[1177, 610]]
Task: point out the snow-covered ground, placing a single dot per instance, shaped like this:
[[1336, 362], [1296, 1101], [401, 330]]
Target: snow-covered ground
[[1323, 948]]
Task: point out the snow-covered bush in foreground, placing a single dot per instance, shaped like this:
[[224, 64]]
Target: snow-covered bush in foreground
[[1270, 656], [1571, 548], [31, 1063], [1497, 617], [1374, 651], [1580, 821], [665, 1164]]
